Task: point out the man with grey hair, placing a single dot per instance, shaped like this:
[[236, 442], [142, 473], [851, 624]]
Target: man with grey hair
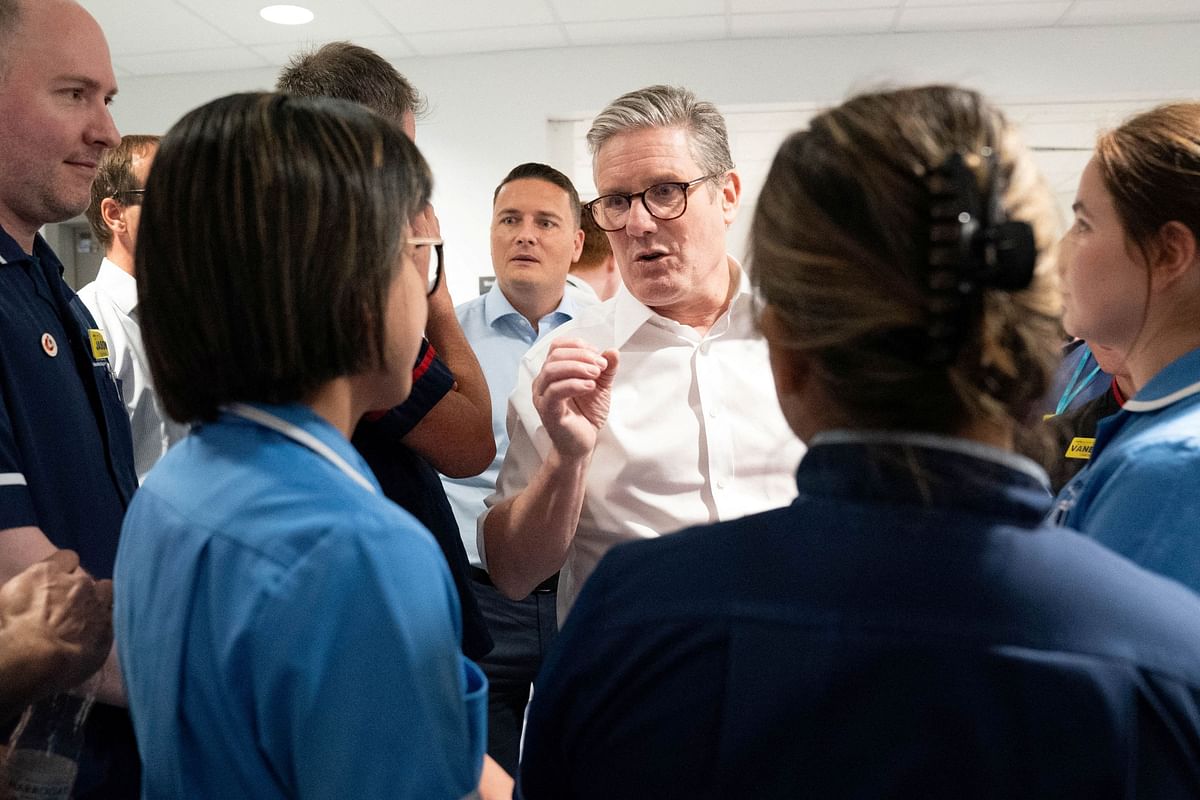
[[654, 411]]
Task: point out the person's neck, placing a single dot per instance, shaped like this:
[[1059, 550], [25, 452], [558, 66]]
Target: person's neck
[[121, 258], [1161, 349], [702, 313], [21, 232], [534, 304], [335, 403], [603, 278]]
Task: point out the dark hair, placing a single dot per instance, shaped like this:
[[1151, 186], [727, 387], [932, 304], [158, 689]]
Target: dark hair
[[269, 239], [1151, 167], [595, 244], [350, 72], [841, 250], [543, 172], [113, 176]]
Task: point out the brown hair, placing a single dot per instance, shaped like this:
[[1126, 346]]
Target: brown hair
[[1151, 167], [270, 236], [547, 173], [595, 244], [350, 72], [840, 248], [115, 176]]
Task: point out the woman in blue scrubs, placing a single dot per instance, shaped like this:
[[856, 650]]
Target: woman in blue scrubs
[[285, 631], [1132, 283]]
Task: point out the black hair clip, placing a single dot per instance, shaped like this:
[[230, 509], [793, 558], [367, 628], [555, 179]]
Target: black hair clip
[[972, 247]]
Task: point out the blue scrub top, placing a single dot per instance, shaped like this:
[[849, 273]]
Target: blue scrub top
[[286, 632], [1140, 493]]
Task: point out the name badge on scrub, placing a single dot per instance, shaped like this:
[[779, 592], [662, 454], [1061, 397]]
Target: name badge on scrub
[[99, 345], [1080, 447]]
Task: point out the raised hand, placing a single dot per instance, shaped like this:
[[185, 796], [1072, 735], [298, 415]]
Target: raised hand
[[572, 394]]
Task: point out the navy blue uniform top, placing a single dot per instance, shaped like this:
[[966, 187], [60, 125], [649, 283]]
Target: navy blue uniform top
[[66, 454], [410, 482], [908, 627]]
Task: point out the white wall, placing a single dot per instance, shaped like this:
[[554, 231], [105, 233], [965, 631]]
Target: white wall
[[490, 112]]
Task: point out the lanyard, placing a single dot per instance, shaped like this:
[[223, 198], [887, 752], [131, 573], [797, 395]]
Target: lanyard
[[1071, 391], [300, 436]]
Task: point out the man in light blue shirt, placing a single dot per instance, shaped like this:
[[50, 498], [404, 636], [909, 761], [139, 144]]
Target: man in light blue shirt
[[535, 237]]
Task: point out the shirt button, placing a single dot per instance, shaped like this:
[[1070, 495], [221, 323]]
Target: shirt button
[[712, 413], [721, 484]]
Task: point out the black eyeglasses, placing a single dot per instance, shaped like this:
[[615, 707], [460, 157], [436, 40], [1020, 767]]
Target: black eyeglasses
[[665, 201], [138, 193], [434, 277]]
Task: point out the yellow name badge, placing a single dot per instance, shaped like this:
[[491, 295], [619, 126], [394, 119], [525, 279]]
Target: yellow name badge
[[1080, 447], [99, 346]]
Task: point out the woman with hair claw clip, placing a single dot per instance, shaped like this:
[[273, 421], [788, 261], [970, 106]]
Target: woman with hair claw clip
[[911, 625]]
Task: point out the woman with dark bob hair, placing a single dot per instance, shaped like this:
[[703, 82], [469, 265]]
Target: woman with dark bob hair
[[1132, 285], [284, 630], [910, 626]]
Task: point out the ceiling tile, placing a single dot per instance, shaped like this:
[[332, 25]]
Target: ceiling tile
[[182, 61], [575, 11], [676, 29], [977, 17], [920, 3], [419, 16], [130, 29], [526, 37], [791, 6], [1114, 12], [335, 19], [813, 23], [390, 47]]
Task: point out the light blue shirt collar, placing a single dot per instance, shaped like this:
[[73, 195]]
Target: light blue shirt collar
[[496, 306]]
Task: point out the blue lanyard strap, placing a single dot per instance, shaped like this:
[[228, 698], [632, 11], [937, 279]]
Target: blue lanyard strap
[[1071, 391]]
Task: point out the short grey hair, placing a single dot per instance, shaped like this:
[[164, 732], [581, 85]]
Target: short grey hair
[[667, 107]]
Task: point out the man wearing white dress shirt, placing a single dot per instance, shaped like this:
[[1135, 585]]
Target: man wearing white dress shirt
[[656, 410], [112, 297]]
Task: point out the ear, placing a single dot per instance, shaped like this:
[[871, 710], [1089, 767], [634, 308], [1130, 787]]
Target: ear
[[731, 196], [578, 250], [1174, 255], [112, 213]]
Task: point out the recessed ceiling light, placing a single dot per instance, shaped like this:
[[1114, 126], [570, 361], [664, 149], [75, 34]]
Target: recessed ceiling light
[[286, 15]]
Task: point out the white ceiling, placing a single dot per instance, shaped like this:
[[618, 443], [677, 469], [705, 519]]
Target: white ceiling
[[155, 37]]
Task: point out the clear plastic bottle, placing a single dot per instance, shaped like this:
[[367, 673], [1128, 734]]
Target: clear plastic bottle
[[43, 752]]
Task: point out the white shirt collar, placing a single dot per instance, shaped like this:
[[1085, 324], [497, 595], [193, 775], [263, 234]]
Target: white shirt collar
[[630, 314], [118, 285]]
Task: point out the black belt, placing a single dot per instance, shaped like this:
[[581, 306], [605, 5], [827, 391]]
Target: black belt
[[548, 586]]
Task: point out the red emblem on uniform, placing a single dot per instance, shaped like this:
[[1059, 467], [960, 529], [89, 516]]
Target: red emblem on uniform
[[49, 345]]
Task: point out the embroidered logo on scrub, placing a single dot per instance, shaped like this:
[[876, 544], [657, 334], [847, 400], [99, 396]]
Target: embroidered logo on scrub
[[99, 346], [1080, 447]]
